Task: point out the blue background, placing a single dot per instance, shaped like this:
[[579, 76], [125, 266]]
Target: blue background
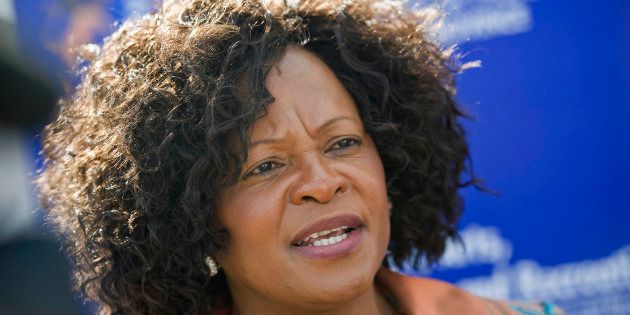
[[552, 134]]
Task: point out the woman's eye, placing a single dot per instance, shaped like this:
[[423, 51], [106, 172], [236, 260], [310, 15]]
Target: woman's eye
[[263, 168], [344, 143]]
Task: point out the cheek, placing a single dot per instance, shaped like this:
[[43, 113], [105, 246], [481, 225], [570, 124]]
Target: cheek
[[375, 188], [252, 219], [248, 214], [374, 179]]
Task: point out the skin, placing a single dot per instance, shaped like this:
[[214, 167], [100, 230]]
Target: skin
[[310, 158]]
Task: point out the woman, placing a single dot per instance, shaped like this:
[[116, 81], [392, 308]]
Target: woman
[[261, 158]]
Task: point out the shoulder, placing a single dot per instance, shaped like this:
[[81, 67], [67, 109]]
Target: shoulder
[[417, 295]]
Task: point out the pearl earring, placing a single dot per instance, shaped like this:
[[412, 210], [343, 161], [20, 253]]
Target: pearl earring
[[212, 266]]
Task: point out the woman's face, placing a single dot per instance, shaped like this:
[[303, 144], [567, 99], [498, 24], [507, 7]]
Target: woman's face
[[309, 218]]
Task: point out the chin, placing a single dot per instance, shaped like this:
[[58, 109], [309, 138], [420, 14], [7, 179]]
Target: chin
[[344, 283], [341, 290]]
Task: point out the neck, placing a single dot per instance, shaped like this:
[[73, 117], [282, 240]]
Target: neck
[[369, 302]]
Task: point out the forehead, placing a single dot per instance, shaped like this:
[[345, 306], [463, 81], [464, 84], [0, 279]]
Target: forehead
[[305, 90]]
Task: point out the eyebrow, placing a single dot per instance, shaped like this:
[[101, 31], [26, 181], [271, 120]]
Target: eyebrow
[[320, 127]]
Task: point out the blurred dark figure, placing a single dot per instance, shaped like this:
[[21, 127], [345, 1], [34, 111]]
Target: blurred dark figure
[[27, 100], [34, 276], [39, 41]]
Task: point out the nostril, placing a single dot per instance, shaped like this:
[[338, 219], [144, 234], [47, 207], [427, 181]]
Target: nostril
[[308, 198], [320, 193], [340, 189]]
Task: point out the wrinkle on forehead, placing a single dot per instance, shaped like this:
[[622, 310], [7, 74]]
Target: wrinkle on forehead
[[305, 89]]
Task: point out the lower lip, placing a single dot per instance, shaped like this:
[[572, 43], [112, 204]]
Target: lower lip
[[336, 250]]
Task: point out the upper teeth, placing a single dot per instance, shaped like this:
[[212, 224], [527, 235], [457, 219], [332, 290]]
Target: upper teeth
[[324, 232], [331, 240]]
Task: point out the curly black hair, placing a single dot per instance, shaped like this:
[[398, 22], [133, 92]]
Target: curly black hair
[[137, 155]]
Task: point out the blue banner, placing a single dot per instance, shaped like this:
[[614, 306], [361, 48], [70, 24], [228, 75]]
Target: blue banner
[[551, 135]]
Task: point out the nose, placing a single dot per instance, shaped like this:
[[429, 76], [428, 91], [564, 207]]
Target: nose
[[318, 182]]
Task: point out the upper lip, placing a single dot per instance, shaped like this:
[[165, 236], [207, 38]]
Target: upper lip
[[349, 220]]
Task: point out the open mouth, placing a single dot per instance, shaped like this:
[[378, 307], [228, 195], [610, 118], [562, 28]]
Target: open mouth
[[328, 231], [330, 238], [326, 237]]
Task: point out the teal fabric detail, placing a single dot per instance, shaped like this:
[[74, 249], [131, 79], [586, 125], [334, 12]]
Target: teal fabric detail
[[542, 308]]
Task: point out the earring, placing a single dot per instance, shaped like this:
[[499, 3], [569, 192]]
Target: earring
[[213, 267]]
